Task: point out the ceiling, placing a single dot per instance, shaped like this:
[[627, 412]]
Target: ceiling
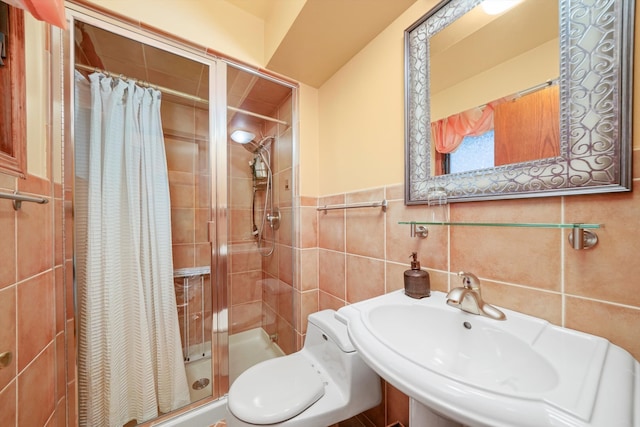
[[326, 34], [120, 55]]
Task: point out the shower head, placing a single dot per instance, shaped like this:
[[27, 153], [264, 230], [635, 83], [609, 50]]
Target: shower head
[[247, 140]]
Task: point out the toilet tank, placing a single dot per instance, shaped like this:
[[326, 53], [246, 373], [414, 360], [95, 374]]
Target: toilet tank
[[327, 342]]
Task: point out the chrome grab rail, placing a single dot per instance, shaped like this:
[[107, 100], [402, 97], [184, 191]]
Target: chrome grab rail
[[383, 204], [19, 198]]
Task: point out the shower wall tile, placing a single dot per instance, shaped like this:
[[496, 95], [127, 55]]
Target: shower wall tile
[[246, 287], [61, 366], [286, 337], [35, 231], [36, 390], [182, 194], [243, 259], [285, 264], [58, 240], [270, 289], [285, 302], [203, 190], [240, 225], [203, 254], [182, 225], [241, 193], [60, 298], [283, 183], [178, 119], [8, 246], [201, 232], [8, 399], [284, 151], [285, 232], [202, 125], [36, 317], [271, 263], [245, 316], [183, 256], [181, 155], [8, 310]]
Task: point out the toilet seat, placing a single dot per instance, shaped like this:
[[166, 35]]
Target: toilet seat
[[275, 390]]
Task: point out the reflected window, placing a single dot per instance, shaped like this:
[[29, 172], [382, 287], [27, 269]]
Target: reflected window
[[475, 152]]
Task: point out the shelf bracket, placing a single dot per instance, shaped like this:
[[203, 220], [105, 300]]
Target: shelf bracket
[[419, 231], [579, 238]]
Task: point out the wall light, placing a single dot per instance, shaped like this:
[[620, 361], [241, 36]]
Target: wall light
[[495, 7], [242, 136]]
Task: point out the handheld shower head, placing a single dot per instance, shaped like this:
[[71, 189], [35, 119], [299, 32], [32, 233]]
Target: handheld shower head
[[254, 146]]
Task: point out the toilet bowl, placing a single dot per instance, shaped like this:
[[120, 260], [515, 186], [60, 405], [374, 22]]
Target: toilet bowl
[[322, 384]]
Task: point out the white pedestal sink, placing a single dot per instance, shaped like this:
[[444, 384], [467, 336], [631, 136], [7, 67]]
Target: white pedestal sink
[[482, 372]]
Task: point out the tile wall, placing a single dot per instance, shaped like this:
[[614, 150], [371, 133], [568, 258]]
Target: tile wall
[[350, 255], [261, 288], [36, 308], [186, 130]]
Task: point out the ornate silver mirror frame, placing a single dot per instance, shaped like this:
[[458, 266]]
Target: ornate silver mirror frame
[[595, 110]]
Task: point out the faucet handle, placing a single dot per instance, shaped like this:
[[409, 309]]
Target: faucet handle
[[470, 280]]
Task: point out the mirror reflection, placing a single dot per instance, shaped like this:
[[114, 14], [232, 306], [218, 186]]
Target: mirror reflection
[[493, 78]]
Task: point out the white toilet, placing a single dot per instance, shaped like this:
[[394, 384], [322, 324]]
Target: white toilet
[[322, 384]]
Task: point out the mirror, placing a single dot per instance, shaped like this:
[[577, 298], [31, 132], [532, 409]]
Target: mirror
[[462, 66]]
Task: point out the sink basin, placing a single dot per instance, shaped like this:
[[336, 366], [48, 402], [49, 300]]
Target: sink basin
[[478, 353], [482, 372]]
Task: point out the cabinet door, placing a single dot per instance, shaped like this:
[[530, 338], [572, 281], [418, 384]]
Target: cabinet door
[[12, 90]]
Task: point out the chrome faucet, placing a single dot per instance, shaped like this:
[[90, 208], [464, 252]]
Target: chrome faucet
[[468, 298]]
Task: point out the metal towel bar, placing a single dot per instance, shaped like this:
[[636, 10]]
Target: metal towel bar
[[383, 204], [19, 198]]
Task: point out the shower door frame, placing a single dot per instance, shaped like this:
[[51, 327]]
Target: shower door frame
[[217, 221]]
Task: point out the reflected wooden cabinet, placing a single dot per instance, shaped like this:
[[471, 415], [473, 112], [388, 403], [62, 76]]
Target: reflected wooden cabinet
[[12, 88], [528, 128]]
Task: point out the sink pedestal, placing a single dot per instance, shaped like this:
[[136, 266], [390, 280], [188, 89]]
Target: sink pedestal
[[420, 415]]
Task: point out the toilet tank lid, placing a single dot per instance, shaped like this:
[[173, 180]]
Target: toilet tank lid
[[326, 321]]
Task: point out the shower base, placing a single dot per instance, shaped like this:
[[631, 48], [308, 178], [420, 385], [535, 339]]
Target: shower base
[[199, 373], [249, 348]]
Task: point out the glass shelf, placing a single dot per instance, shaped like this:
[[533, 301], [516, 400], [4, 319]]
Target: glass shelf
[[506, 224]]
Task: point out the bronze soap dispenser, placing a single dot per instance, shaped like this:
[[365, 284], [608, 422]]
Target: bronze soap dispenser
[[416, 281]]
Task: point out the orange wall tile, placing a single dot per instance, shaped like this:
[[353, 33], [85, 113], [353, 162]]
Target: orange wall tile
[[533, 271]]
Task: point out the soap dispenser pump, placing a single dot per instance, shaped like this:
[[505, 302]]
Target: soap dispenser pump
[[416, 281]]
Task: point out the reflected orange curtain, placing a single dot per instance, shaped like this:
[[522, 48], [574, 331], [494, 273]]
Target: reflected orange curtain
[[449, 132], [50, 11]]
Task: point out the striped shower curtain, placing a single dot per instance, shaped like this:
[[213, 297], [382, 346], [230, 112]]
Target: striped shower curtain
[[130, 363]]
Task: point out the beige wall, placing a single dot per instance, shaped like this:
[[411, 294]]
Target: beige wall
[[215, 24]]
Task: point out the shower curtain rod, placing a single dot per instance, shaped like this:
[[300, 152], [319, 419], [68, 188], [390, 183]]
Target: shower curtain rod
[[178, 93], [143, 83]]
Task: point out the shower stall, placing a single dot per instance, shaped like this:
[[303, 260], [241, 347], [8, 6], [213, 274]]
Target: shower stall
[[228, 138]]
